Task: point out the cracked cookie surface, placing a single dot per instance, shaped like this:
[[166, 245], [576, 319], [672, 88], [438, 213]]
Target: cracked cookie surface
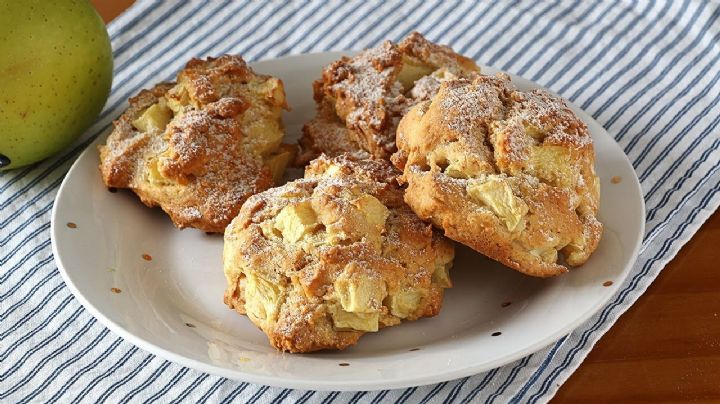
[[200, 147], [320, 261], [361, 99], [508, 173]]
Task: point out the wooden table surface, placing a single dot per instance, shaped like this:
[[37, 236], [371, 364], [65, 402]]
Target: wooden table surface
[[666, 347]]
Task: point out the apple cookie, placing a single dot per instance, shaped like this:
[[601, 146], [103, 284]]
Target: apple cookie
[[200, 147], [360, 100], [320, 261], [508, 173]]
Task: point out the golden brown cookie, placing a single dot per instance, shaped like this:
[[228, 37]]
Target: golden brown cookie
[[200, 147], [320, 261], [506, 172], [361, 99]]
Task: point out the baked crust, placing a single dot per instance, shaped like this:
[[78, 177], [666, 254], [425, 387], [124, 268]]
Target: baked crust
[[319, 261], [200, 147], [363, 98], [506, 172], [326, 134]]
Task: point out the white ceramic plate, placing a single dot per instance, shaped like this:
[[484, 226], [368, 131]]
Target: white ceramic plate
[[172, 305]]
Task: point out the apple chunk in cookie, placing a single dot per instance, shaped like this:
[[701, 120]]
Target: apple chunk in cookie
[[200, 147], [320, 261]]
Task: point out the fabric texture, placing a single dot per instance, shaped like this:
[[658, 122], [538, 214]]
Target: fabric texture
[[647, 71]]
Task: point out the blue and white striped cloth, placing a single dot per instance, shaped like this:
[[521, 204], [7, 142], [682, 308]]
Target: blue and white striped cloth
[[648, 71]]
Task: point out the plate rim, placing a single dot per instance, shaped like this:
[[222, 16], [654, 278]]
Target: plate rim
[[439, 375]]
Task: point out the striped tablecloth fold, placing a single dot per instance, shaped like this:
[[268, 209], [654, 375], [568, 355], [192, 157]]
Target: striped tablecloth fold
[[648, 71]]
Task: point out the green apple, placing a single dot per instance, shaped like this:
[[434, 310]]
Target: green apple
[[55, 76]]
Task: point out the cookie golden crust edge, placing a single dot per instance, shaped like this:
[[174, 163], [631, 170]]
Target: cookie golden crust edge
[[508, 173], [320, 261], [362, 98], [200, 147]]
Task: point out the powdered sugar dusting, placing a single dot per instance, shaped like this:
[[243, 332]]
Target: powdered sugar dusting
[[469, 108]]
